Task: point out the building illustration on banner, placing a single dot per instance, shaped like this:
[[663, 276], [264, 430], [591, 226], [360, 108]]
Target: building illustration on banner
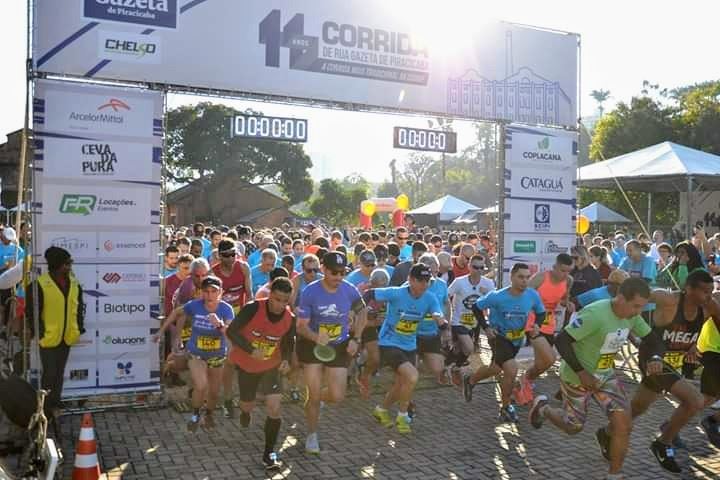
[[522, 96]]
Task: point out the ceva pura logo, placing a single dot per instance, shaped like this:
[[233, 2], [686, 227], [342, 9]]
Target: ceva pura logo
[[77, 204], [116, 104]]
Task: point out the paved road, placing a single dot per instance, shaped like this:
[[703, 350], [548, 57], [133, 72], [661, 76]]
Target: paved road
[[450, 440]]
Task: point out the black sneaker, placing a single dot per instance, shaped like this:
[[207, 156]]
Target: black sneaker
[[467, 387], [245, 419], [412, 409], [665, 455], [509, 414], [677, 442], [295, 395], [271, 461], [228, 409], [603, 441], [712, 430], [536, 418]]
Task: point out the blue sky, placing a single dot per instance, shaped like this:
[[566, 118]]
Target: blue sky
[[623, 43]]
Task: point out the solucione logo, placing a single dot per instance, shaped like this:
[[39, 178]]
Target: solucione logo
[[157, 13], [542, 184], [129, 308], [124, 371], [542, 217], [110, 340], [101, 160], [70, 244], [77, 204]]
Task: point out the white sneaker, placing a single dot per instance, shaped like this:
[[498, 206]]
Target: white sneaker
[[716, 405], [312, 445]]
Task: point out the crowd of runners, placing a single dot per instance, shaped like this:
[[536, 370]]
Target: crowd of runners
[[302, 308]]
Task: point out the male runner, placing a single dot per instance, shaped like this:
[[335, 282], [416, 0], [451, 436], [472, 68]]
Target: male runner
[[709, 347], [509, 310], [260, 273], [379, 278], [324, 319], [263, 337], [678, 318], [553, 286], [406, 307], [588, 346], [429, 344]]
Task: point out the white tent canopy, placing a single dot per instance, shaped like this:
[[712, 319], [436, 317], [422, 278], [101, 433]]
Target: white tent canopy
[[446, 209], [471, 216], [599, 213]]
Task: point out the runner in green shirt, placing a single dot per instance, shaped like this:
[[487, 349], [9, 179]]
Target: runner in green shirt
[[588, 346]]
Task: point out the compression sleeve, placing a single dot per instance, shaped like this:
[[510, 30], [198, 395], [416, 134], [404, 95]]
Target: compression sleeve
[[243, 318], [564, 345], [540, 318], [479, 316], [651, 345], [287, 344]]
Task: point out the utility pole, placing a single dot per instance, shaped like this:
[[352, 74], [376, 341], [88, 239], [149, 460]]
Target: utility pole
[[393, 172]]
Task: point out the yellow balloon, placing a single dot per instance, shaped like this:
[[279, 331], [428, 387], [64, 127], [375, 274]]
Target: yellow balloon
[[403, 202], [367, 208], [582, 225]]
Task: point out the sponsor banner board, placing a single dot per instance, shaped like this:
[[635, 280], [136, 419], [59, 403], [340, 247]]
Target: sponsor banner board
[[80, 376], [116, 309], [124, 277], [539, 216], [340, 52], [124, 369], [124, 245], [124, 340], [81, 245], [532, 183], [542, 149]]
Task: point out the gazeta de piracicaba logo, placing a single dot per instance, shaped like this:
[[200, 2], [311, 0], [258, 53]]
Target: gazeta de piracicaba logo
[[77, 204]]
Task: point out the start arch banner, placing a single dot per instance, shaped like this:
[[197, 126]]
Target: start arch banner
[[361, 52]]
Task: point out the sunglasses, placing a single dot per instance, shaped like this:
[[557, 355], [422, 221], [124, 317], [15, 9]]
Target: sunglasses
[[227, 254], [312, 270], [477, 267]]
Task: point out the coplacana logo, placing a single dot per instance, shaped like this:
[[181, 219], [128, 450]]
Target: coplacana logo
[[158, 13]]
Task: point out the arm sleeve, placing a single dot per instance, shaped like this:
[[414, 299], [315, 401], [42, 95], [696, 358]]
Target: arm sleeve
[[243, 318], [564, 345], [651, 344], [287, 345], [479, 315]]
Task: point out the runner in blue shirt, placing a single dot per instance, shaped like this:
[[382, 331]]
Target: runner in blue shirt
[[406, 306], [260, 273], [509, 309]]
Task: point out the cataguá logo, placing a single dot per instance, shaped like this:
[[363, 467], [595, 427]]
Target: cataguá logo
[[542, 184]]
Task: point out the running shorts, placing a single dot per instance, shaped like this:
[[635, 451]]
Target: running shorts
[[267, 383]]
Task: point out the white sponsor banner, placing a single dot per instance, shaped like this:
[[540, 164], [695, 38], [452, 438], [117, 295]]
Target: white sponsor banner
[[81, 245], [124, 369], [83, 205], [124, 340], [124, 308], [532, 183], [124, 277], [357, 52], [544, 149], [98, 160], [79, 375], [129, 47], [539, 216], [121, 245], [537, 251], [86, 345]]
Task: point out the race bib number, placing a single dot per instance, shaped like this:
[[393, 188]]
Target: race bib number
[[333, 330], [674, 359], [606, 361], [406, 327], [208, 344], [468, 320], [267, 348], [514, 335], [186, 333]]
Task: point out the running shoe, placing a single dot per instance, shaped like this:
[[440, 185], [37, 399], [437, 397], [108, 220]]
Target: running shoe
[[677, 442], [193, 423], [228, 409], [537, 418], [271, 462], [411, 410], [383, 417], [524, 394], [712, 430], [716, 405], [665, 455], [603, 441], [467, 387], [245, 419], [209, 422], [363, 384], [402, 422], [509, 414], [295, 395], [456, 376], [312, 446]]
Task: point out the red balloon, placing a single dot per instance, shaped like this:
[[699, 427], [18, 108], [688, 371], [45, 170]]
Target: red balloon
[[398, 218], [365, 221]]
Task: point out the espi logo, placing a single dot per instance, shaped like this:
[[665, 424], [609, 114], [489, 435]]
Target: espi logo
[[82, 204], [104, 159], [110, 340], [130, 308], [130, 47], [542, 217], [159, 13], [70, 244], [542, 184]]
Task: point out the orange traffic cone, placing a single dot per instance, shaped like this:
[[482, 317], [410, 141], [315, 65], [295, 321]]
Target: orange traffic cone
[[86, 460]]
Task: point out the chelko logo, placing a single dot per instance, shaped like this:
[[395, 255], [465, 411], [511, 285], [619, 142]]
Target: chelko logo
[[157, 13]]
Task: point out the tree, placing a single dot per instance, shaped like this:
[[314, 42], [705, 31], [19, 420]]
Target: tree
[[199, 144], [412, 178], [698, 121], [600, 96], [337, 203], [387, 190]]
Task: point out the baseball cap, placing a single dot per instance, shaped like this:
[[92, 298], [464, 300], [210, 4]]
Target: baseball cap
[[9, 233], [368, 257], [420, 272], [211, 281], [335, 261]]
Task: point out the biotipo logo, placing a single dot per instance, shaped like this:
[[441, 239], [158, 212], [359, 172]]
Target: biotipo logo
[[129, 308], [156, 13], [77, 204]]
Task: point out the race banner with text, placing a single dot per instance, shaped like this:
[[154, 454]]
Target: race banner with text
[[371, 53], [97, 168], [540, 196]]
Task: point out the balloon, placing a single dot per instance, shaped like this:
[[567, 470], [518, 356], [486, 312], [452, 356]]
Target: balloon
[[367, 207], [398, 218], [583, 225], [365, 221], [403, 202]]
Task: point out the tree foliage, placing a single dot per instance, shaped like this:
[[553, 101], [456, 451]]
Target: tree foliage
[[339, 201], [199, 144]]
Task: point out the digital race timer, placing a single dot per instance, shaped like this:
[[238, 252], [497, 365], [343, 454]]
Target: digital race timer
[[260, 127], [426, 140]]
